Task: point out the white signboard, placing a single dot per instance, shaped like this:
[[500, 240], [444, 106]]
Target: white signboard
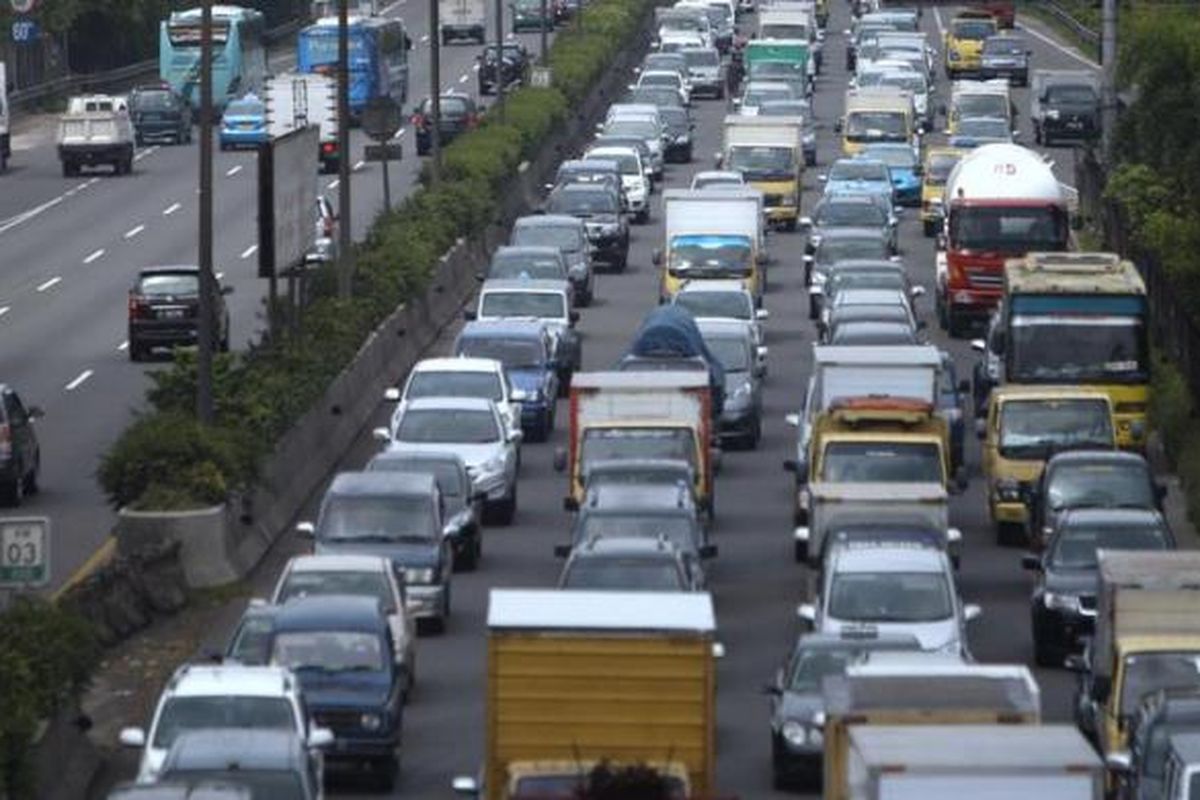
[[24, 552]]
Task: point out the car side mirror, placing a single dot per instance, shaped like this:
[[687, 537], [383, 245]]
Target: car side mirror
[[917, 291], [306, 529], [573, 317], [463, 785], [1031, 562], [469, 314], [971, 612], [762, 314], [807, 612], [806, 222], [708, 551], [822, 177], [319, 738], [1119, 761], [516, 436], [37, 412], [562, 550], [657, 257], [132, 737], [391, 394], [560, 459], [382, 435], [737, 102], [792, 419], [979, 345]]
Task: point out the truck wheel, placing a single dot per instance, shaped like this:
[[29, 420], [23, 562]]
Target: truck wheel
[[69, 170], [954, 324], [1044, 655], [929, 227]]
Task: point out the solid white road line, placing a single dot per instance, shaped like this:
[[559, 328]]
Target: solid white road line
[[134, 231], [50, 283], [234, 170], [249, 251], [94, 255], [79, 380], [937, 18], [1062, 48], [171, 209]]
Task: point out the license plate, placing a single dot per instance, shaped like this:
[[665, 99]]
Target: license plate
[[171, 313]]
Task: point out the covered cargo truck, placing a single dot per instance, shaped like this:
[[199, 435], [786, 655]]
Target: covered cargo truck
[[712, 235]]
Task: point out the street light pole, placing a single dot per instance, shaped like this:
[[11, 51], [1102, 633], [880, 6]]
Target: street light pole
[[345, 240], [1108, 94], [205, 323], [435, 92], [544, 34], [500, 58]]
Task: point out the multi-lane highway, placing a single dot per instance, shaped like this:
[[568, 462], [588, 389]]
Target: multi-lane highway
[[70, 248], [755, 583]]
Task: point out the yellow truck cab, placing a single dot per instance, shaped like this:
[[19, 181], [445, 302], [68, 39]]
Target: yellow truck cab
[[712, 234], [970, 99], [964, 41], [876, 114], [769, 153], [880, 440], [939, 161], [1078, 318], [1025, 425]]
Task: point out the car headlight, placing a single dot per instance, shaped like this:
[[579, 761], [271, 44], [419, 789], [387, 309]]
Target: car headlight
[[1056, 601], [742, 392], [416, 575], [799, 734], [953, 56], [788, 199], [1052, 113], [371, 722], [1008, 491], [1137, 428]]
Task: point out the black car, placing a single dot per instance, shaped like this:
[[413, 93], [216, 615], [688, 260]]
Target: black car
[[341, 650], [20, 454], [844, 244], [512, 67], [678, 145], [797, 702], [1090, 479], [458, 115], [160, 114], [732, 342], [1063, 604], [164, 310], [1158, 716], [600, 209], [526, 262], [846, 211]]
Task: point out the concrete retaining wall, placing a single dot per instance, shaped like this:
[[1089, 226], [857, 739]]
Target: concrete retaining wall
[[221, 544]]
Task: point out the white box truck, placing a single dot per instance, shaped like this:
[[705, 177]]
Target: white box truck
[[712, 235], [5, 141], [295, 101], [463, 19]]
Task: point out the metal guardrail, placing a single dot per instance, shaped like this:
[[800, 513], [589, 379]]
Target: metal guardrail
[[1050, 8], [115, 79]]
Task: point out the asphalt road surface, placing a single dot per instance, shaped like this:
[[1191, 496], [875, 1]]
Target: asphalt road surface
[[70, 249], [755, 582]]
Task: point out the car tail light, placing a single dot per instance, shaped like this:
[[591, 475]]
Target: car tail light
[[418, 120], [329, 147], [138, 308], [5, 441], [472, 120]]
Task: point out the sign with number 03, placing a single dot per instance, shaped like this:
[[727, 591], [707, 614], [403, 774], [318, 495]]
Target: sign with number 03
[[24, 551]]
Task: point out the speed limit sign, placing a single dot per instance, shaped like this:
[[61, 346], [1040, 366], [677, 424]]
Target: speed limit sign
[[24, 552], [23, 6]]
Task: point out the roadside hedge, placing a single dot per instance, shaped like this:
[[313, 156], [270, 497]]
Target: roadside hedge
[[166, 461]]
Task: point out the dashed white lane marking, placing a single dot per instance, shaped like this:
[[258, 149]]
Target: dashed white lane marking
[[475, 67], [220, 276], [234, 170], [123, 346], [333, 184], [425, 38], [25, 216], [94, 255], [4, 310], [143, 153], [462, 79], [359, 165], [399, 133], [937, 19], [50, 283], [171, 209], [79, 380], [92, 182], [134, 231], [1062, 48], [249, 251]]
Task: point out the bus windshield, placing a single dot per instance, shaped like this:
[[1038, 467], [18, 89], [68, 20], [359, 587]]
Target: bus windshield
[[1078, 349], [1009, 229]]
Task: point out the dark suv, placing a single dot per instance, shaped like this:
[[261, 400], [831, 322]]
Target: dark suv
[[459, 114], [512, 67], [164, 310], [599, 207], [20, 455], [159, 114]]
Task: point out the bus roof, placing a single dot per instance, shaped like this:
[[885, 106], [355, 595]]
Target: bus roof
[[218, 12], [1072, 273]]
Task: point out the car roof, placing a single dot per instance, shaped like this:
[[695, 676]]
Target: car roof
[[886, 557], [214, 680], [231, 749], [547, 221], [640, 546], [584, 188], [588, 165], [620, 498], [872, 328], [714, 285], [852, 264], [445, 404], [167, 269], [512, 328], [541, 250], [850, 233], [612, 149], [858, 160], [330, 612], [1082, 457], [853, 640], [538, 285], [1115, 517], [458, 364], [405, 455], [722, 328], [866, 297], [338, 562], [375, 483], [188, 790]]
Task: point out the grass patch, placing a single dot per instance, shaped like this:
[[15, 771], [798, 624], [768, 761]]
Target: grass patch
[[1172, 415]]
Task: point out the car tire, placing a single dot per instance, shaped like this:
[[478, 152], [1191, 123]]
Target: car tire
[[470, 560], [136, 353], [955, 325], [13, 494], [506, 509], [32, 486]]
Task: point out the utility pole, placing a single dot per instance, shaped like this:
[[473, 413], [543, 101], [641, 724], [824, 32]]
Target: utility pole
[[206, 322], [345, 241], [544, 34], [1108, 58], [435, 91], [500, 57]]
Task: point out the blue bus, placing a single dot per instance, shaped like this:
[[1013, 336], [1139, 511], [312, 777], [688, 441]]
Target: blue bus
[[378, 57], [239, 55]]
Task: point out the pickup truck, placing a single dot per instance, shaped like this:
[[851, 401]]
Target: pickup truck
[[96, 129]]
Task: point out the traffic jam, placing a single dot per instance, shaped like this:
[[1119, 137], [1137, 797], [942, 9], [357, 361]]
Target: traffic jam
[[811, 230]]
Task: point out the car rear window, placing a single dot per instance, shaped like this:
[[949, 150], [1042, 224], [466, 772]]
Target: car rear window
[[154, 101], [172, 284]]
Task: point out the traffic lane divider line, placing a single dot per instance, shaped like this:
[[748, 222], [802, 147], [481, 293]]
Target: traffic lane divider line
[[50, 283], [95, 254], [80, 379]]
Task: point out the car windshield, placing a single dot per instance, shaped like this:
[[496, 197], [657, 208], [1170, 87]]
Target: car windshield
[[910, 81], [776, 70], [252, 640], [675, 528], [702, 58], [1100, 485], [811, 667], [512, 353], [181, 714], [564, 237], [938, 168], [662, 78], [784, 108], [529, 267], [263, 784], [1036, 428], [449, 105], [1076, 544], [830, 251], [170, 284], [756, 97], [851, 170], [541, 305], [981, 105], [1149, 672], [895, 157], [732, 351], [983, 128], [447, 426], [624, 574], [974, 29], [781, 30], [329, 651], [1071, 95], [357, 584], [1009, 229], [1005, 47], [723, 180], [864, 279], [446, 473], [346, 518], [643, 129], [850, 215], [578, 203], [709, 257], [619, 443], [244, 108], [627, 163], [877, 126], [163, 101], [890, 597], [730, 305], [763, 163], [675, 119], [881, 462], [486, 385], [1078, 349]]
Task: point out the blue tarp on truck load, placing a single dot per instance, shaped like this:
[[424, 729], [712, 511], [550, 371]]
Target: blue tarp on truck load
[[669, 332]]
